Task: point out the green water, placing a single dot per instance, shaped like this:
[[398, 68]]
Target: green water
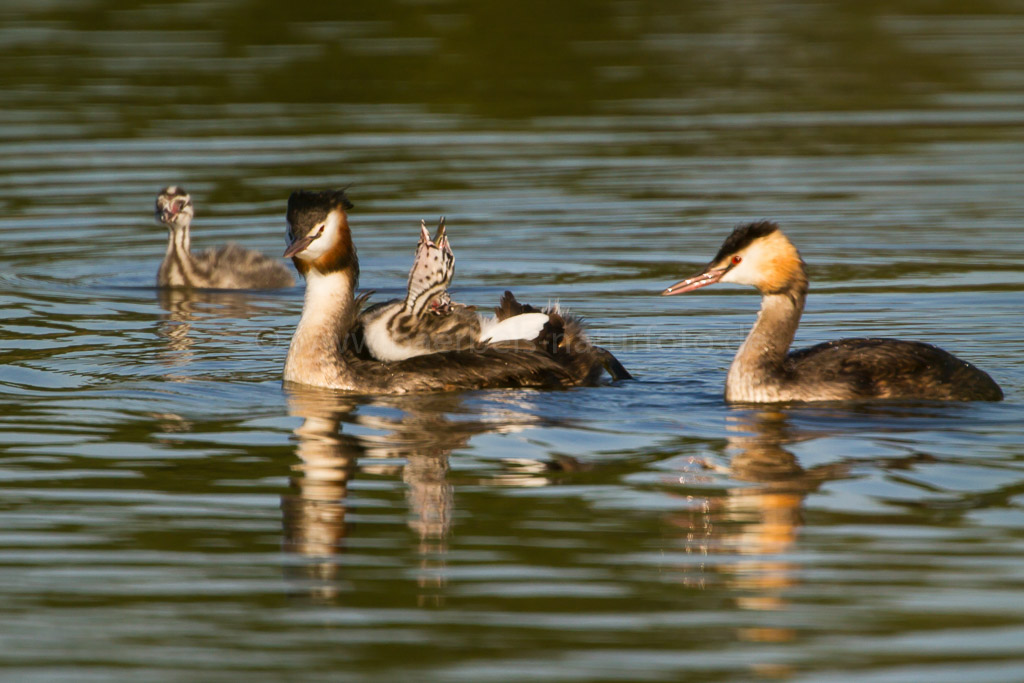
[[169, 512]]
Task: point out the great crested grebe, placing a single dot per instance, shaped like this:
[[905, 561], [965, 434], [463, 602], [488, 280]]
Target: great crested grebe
[[759, 254], [427, 321], [229, 267], [320, 245]]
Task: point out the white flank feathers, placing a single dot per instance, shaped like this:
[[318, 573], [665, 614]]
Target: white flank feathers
[[526, 326]]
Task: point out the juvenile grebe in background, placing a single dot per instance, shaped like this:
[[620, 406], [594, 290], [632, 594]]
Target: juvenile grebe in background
[[427, 321], [229, 267], [759, 254], [320, 245]]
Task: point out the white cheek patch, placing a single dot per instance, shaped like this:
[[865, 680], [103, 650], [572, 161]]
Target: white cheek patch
[[737, 274], [747, 271], [322, 244]]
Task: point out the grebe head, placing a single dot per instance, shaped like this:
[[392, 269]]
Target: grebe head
[[174, 207], [436, 251], [440, 240], [433, 267], [318, 233], [755, 254]]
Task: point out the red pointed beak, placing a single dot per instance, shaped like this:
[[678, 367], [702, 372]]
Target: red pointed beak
[[708, 277]]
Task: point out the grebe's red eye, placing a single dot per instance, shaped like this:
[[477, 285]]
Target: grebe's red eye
[[736, 259]]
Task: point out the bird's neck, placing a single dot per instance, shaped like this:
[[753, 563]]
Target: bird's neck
[[418, 298], [179, 239], [179, 269], [755, 372], [315, 356]]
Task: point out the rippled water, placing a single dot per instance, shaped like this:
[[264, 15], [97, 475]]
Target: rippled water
[[169, 512]]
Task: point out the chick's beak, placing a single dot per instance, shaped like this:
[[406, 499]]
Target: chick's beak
[[167, 213], [441, 238], [708, 277]]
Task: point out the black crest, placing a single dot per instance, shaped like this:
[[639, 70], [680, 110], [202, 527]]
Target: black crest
[[306, 209], [743, 236]]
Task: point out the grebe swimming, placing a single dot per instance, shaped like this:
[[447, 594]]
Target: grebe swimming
[[229, 267], [765, 371], [320, 245]]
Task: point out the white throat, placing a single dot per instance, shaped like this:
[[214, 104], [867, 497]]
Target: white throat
[[327, 294], [314, 356]]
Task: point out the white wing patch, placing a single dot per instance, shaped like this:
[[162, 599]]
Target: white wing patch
[[526, 326]]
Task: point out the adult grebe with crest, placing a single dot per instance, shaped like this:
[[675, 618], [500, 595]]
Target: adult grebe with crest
[[320, 245], [766, 371]]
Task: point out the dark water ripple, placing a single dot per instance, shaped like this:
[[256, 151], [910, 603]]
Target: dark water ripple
[[169, 512]]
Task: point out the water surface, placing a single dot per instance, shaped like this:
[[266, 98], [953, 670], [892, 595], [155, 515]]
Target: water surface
[[169, 512]]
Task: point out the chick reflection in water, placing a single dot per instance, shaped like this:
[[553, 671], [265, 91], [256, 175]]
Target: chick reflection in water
[[412, 437], [185, 307]]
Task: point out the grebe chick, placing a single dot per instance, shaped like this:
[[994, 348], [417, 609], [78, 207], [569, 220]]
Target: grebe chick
[[320, 245], [427, 321], [759, 254], [414, 326], [229, 267]]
